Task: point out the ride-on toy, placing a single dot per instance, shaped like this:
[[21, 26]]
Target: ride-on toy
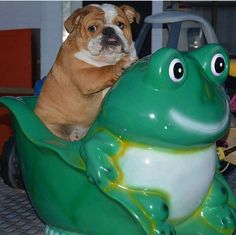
[[133, 155], [148, 165], [187, 31]]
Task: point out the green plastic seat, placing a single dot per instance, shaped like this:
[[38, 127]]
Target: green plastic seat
[[147, 148], [56, 182]]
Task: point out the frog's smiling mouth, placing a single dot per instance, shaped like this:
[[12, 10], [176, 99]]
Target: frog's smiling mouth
[[198, 126]]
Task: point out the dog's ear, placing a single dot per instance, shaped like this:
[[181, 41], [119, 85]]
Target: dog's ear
[[74, 19], [130, 13]]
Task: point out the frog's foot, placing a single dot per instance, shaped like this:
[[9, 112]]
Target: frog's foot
[[217, 209], [165, 229], [97, 153], [221, 217], [149, 208]]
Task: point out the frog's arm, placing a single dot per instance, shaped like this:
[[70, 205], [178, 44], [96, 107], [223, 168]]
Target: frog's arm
[[97, 153]]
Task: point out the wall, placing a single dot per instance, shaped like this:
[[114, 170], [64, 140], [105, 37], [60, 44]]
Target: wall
[[49, 16], [19, 14], [50, 34], [157, 7], [46, 16]]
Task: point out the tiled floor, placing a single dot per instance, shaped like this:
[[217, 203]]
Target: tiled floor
[[17, 216]]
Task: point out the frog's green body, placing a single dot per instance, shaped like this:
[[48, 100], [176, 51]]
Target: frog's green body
[[150, 154], [152, 147]]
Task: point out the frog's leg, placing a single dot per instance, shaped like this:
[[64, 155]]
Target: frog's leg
[[216, 215], [148, 208], [219, 208]]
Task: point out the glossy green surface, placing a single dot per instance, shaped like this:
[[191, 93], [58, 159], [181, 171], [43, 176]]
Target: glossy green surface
[[152, 109], [149, 108]]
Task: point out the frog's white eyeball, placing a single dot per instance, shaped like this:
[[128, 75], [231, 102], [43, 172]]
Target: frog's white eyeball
[[176, 70], [217, 64]]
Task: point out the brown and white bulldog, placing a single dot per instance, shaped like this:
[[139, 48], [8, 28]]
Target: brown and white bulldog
[[97, 50]]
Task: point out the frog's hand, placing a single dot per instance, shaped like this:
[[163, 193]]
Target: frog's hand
[[97, 153], [219, 209]]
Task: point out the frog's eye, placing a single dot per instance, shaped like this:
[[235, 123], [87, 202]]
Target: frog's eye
[[217, 64], [176, 70], [213, 61], [167, 70]]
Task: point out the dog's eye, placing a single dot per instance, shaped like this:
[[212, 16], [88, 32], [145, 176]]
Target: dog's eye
[[120, 25], [92, 28]]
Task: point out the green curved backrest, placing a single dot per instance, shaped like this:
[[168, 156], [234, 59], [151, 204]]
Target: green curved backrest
[[21, 109], [56, 181]]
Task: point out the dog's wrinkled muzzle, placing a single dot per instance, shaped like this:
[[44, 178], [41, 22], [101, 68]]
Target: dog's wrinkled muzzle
[[111, 40]]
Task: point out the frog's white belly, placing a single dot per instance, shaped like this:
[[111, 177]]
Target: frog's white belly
[[184, 176]]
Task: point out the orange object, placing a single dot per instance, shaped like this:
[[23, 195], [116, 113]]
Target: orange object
[[5, 127], [232, 70], [15, 71]]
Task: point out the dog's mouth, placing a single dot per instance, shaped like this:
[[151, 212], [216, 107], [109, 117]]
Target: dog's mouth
[[112, 44], [112, 40]]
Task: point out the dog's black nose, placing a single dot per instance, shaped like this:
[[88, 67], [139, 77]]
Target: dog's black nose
[[108, 31]]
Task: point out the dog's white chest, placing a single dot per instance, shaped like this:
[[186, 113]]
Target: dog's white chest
[[184, 176]]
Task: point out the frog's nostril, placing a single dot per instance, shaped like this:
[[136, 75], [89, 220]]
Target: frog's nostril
[[208, 91], [207, 95]]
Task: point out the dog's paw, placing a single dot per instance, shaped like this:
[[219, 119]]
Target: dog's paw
[[78, 133], [123, 64], [133, 59], [126, 61]]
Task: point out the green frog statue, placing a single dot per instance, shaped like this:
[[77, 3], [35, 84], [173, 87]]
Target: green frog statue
[[152, 147], [148, 164]]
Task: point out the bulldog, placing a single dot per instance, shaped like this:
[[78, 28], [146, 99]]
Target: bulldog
[[98, 49]]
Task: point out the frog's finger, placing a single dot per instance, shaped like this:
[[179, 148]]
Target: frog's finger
[[107, 173], [100, 170], [109, 169]]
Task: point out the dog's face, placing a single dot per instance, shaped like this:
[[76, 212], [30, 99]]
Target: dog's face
[[103, 29]]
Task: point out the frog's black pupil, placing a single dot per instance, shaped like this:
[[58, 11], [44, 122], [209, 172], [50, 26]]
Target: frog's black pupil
[[219, 65], [178, 70]]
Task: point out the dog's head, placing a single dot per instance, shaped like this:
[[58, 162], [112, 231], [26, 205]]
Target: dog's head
[[103, 29]]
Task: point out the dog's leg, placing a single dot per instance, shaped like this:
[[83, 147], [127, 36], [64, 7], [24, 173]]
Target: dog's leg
[[60, 130], [95, 79]]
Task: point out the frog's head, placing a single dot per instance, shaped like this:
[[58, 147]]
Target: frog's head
[[171, 99]]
